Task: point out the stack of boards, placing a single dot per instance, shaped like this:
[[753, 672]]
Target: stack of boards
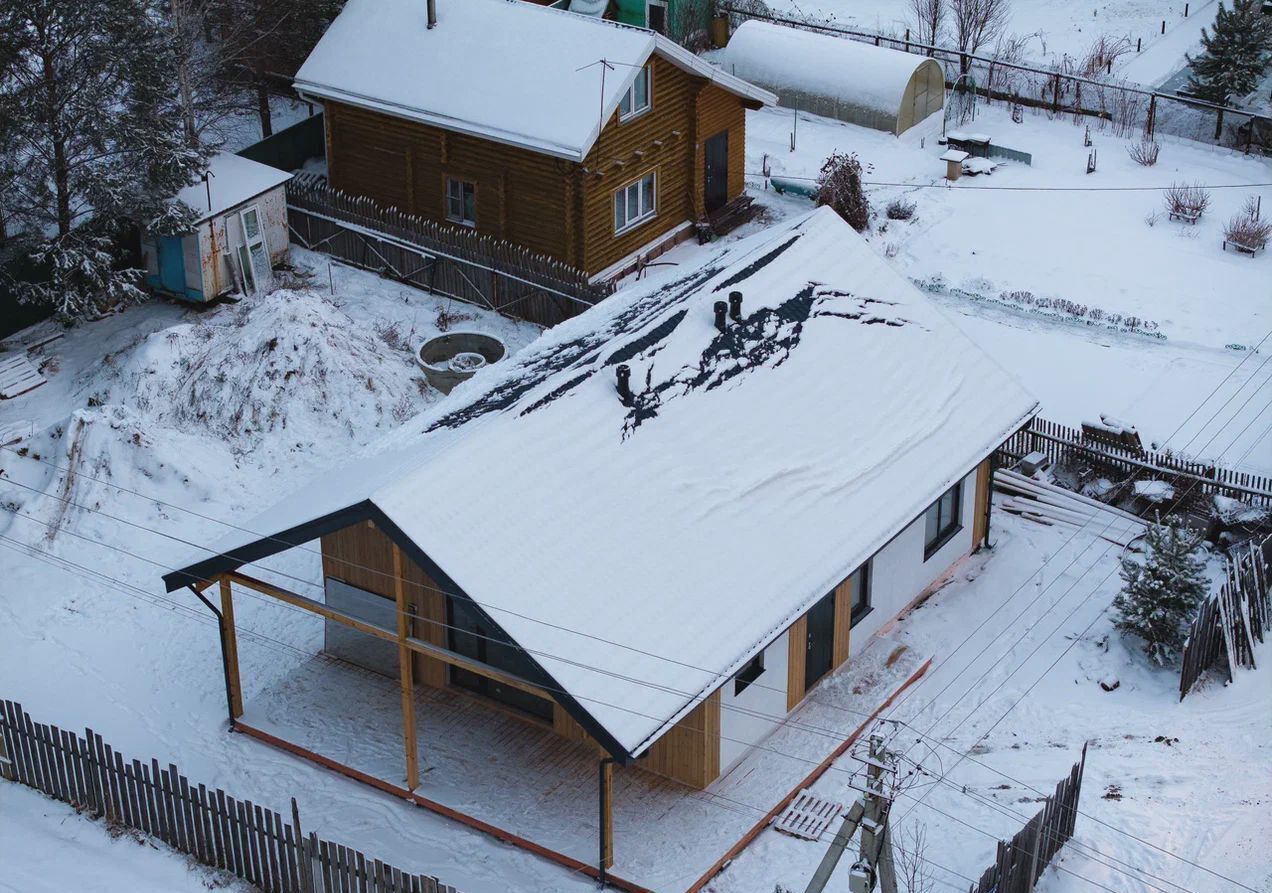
[[1052, 505]]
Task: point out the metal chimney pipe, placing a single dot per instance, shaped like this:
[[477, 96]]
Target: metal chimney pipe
[[735, 305], [721, 315], [623, 373], [432, 14]]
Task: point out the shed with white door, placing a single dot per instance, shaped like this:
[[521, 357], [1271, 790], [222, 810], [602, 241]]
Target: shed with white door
[[240, 233], [872, 86]]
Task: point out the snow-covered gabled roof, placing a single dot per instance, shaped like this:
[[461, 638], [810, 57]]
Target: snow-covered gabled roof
[[504, 70], [232, 180], [642, 553], [796, 60]]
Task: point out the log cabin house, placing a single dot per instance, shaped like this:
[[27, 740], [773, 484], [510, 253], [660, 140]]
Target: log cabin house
[[589, 141], [659, 527]]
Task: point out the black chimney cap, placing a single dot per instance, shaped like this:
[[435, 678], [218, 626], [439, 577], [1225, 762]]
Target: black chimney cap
[[721, 314], [735, 305], [623, 375]]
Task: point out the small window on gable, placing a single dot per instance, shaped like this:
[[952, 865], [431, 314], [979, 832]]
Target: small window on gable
[[461, 201], [637, 98], [944, 518], [634, 203], [753, 670]]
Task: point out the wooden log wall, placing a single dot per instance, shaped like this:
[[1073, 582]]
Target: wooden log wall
[[251, 842]]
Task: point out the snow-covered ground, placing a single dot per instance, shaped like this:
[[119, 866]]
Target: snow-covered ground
[[46, 845], [991, 247], [179, 421], [1058, 27]]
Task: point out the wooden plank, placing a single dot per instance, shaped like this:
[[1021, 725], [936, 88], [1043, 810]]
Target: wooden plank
[[166, 832], [229, 834], [797, 656], [231, 648], [251, 844], [607, 814], [309, 604], [271, 840], [841, 632], [292, 860], [405, 673]]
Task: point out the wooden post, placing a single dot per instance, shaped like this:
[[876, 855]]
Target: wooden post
[[406, 672], [607, 816], [231, 649]]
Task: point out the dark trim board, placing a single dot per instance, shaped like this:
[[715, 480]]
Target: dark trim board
[[367, 510]]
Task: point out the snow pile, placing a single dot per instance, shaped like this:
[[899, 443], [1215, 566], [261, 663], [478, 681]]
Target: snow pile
[[291, 361]]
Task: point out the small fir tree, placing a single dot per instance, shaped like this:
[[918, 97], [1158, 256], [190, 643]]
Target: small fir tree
[[839, 185], [1160, 595], [1235, 53]]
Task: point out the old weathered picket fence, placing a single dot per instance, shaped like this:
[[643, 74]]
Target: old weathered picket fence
[[1232, 619], [446, 260], [1197, 480], [1022, 859], [256, 844]]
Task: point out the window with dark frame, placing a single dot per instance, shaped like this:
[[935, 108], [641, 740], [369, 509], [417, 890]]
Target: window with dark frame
[[753, 670], [860, 593], [944, 519], [461, 201]]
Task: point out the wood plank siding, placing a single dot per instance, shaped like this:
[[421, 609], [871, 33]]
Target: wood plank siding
[[557, 207], [980, 518], [362, 556]]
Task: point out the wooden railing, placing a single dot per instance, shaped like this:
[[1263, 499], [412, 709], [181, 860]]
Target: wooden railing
[[1200, 480], [256, 844], [1021, 860], [446, 260]]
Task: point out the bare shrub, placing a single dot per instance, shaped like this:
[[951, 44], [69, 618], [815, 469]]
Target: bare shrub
[[913, 873], [391, 334], [1248, 230], [446, 317], [891, 249], [927, 17], [839, 186], [1103, 53], [744, 9], [1153, 217], [899, 209], [1187, 200], [1144, 152], [977, 23]]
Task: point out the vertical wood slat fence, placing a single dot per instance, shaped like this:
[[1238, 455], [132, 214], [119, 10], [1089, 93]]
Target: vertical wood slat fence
[[1233, 619], [1021, 860], [256, 844], [1199, 479], [446, 260]]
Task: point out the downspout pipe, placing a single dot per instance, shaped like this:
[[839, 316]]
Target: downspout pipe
[[605, 806], [225, 660]]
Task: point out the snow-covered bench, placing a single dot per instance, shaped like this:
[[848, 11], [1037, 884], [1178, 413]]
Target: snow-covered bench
[[1251, 250], [1186, 216]]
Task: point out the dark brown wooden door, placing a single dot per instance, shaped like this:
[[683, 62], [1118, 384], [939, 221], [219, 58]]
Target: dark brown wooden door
[[821, 640], [716, 171]]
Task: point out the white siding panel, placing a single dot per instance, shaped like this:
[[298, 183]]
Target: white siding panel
[[739, 729], [899, 573]]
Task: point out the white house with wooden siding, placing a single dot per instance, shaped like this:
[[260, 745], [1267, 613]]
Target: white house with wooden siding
[[662, 524]]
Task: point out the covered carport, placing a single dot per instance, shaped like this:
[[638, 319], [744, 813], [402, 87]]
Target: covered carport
[[840, 78]]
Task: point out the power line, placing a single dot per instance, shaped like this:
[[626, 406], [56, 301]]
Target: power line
[[946, 186]]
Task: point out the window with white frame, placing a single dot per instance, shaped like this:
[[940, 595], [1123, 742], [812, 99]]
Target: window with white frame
[[637, 98], [253, 252], [461, 201], [634, 203]]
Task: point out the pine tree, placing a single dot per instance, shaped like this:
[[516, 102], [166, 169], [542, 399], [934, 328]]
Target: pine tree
[[89, 92], [1235, 53], [1160, 595]]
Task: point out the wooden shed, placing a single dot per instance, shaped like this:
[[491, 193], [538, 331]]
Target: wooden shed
[[656, 529], [875, 87], [586, 140], [239, 235]]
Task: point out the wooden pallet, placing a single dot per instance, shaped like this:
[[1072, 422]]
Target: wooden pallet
[[808, 816], [17, 376]]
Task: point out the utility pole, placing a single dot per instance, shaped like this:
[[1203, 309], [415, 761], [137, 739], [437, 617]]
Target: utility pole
[[870, 813]]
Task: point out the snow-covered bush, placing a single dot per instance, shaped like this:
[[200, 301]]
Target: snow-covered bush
[[1144, 152], [900, 209], [1187, 200], [1160, 594], [839, 186]]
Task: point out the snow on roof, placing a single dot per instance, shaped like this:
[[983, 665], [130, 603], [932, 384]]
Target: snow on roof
[[232, 180], [504, 70], [646, 552], [779, 57]]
